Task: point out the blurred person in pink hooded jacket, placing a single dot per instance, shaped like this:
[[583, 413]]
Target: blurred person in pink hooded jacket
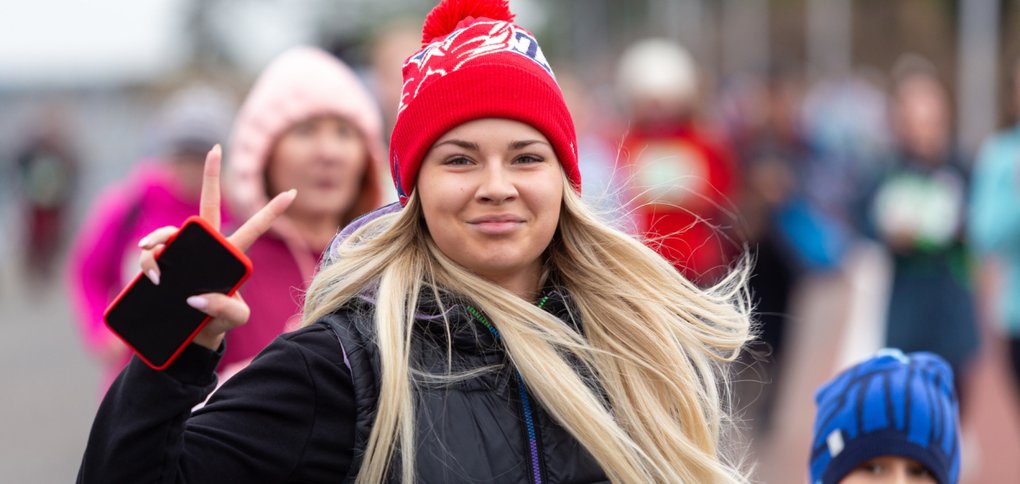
[[308, 123], [161, 190]]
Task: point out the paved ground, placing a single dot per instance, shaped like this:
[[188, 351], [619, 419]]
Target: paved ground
[[49, 384]]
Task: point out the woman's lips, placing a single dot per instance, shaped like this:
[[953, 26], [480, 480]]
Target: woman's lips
[[496, 226]]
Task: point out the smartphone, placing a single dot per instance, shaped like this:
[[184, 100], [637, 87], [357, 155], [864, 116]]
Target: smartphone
[[156, 321]]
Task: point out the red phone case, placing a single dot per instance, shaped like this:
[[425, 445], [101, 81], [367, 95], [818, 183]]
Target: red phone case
[[226, 244]]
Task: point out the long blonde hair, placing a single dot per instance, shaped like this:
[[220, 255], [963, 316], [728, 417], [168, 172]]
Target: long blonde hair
[[656, 344]]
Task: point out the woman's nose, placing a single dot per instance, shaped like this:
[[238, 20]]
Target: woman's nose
[[496, 185]]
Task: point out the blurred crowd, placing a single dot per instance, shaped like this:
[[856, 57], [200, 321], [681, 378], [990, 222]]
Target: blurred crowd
[[836, 187]]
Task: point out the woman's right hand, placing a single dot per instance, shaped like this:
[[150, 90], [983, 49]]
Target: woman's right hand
[[227, 312]]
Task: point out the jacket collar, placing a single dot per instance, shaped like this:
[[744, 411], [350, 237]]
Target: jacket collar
[[467, 334]]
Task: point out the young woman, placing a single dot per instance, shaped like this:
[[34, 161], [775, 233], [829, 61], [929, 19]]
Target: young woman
[[311, 125], [488, 329]]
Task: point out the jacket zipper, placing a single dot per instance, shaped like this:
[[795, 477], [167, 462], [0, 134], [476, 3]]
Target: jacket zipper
[[525, 404], [529, 422]]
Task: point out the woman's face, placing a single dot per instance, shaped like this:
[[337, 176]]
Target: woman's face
[[491, 191], [889, 470], [325, 158]]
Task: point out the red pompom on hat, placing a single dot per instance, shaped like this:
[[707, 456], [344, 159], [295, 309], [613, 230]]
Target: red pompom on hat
[[475, 63], [448, 15]]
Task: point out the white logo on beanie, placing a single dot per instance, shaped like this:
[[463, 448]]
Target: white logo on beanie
[[835, 442], [526, 45]]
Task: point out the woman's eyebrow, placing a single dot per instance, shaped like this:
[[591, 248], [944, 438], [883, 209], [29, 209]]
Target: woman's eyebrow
[[461, 143], [516, 145], [513, 145]]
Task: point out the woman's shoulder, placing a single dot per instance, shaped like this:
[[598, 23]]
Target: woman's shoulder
[[314, 342], [350, 321]]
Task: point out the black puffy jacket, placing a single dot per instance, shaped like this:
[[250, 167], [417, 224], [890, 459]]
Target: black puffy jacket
[[303, 411], [484, 429]]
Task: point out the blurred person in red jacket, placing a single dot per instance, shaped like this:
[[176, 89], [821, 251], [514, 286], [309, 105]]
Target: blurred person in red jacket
[[681, 177], [161, 189]]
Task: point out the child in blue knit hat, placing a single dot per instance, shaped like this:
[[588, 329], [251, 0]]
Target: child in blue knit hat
[[891, 418]]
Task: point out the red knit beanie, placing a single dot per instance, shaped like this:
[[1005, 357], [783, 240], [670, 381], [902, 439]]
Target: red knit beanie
[[475, 63]]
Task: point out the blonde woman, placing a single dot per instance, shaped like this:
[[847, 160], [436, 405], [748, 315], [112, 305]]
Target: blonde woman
[[487, 328]]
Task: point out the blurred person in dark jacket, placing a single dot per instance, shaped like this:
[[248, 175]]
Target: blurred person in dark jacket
[[47, 178], [917, 209]]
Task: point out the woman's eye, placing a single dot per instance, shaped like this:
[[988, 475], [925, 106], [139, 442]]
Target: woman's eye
[[529, 159], [457, 160]]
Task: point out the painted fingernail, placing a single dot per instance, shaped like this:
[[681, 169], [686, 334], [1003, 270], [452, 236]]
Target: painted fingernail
[[198, 302], [218, 149], [153, 276], [144, 242]]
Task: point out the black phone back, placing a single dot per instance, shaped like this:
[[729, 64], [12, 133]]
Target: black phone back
[[156, 321]]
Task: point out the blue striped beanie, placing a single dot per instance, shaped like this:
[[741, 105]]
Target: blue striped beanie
[[890, 405]]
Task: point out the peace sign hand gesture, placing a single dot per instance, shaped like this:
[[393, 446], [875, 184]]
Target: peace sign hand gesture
[[228, 312]]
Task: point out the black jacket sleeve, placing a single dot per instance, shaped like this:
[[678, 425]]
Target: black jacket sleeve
[[288, 417]]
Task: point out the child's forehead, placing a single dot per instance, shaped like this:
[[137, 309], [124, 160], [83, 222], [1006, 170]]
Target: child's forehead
[[891, 458]]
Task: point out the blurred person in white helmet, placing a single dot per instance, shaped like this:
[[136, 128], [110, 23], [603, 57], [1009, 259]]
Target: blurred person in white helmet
[[681, 177]]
